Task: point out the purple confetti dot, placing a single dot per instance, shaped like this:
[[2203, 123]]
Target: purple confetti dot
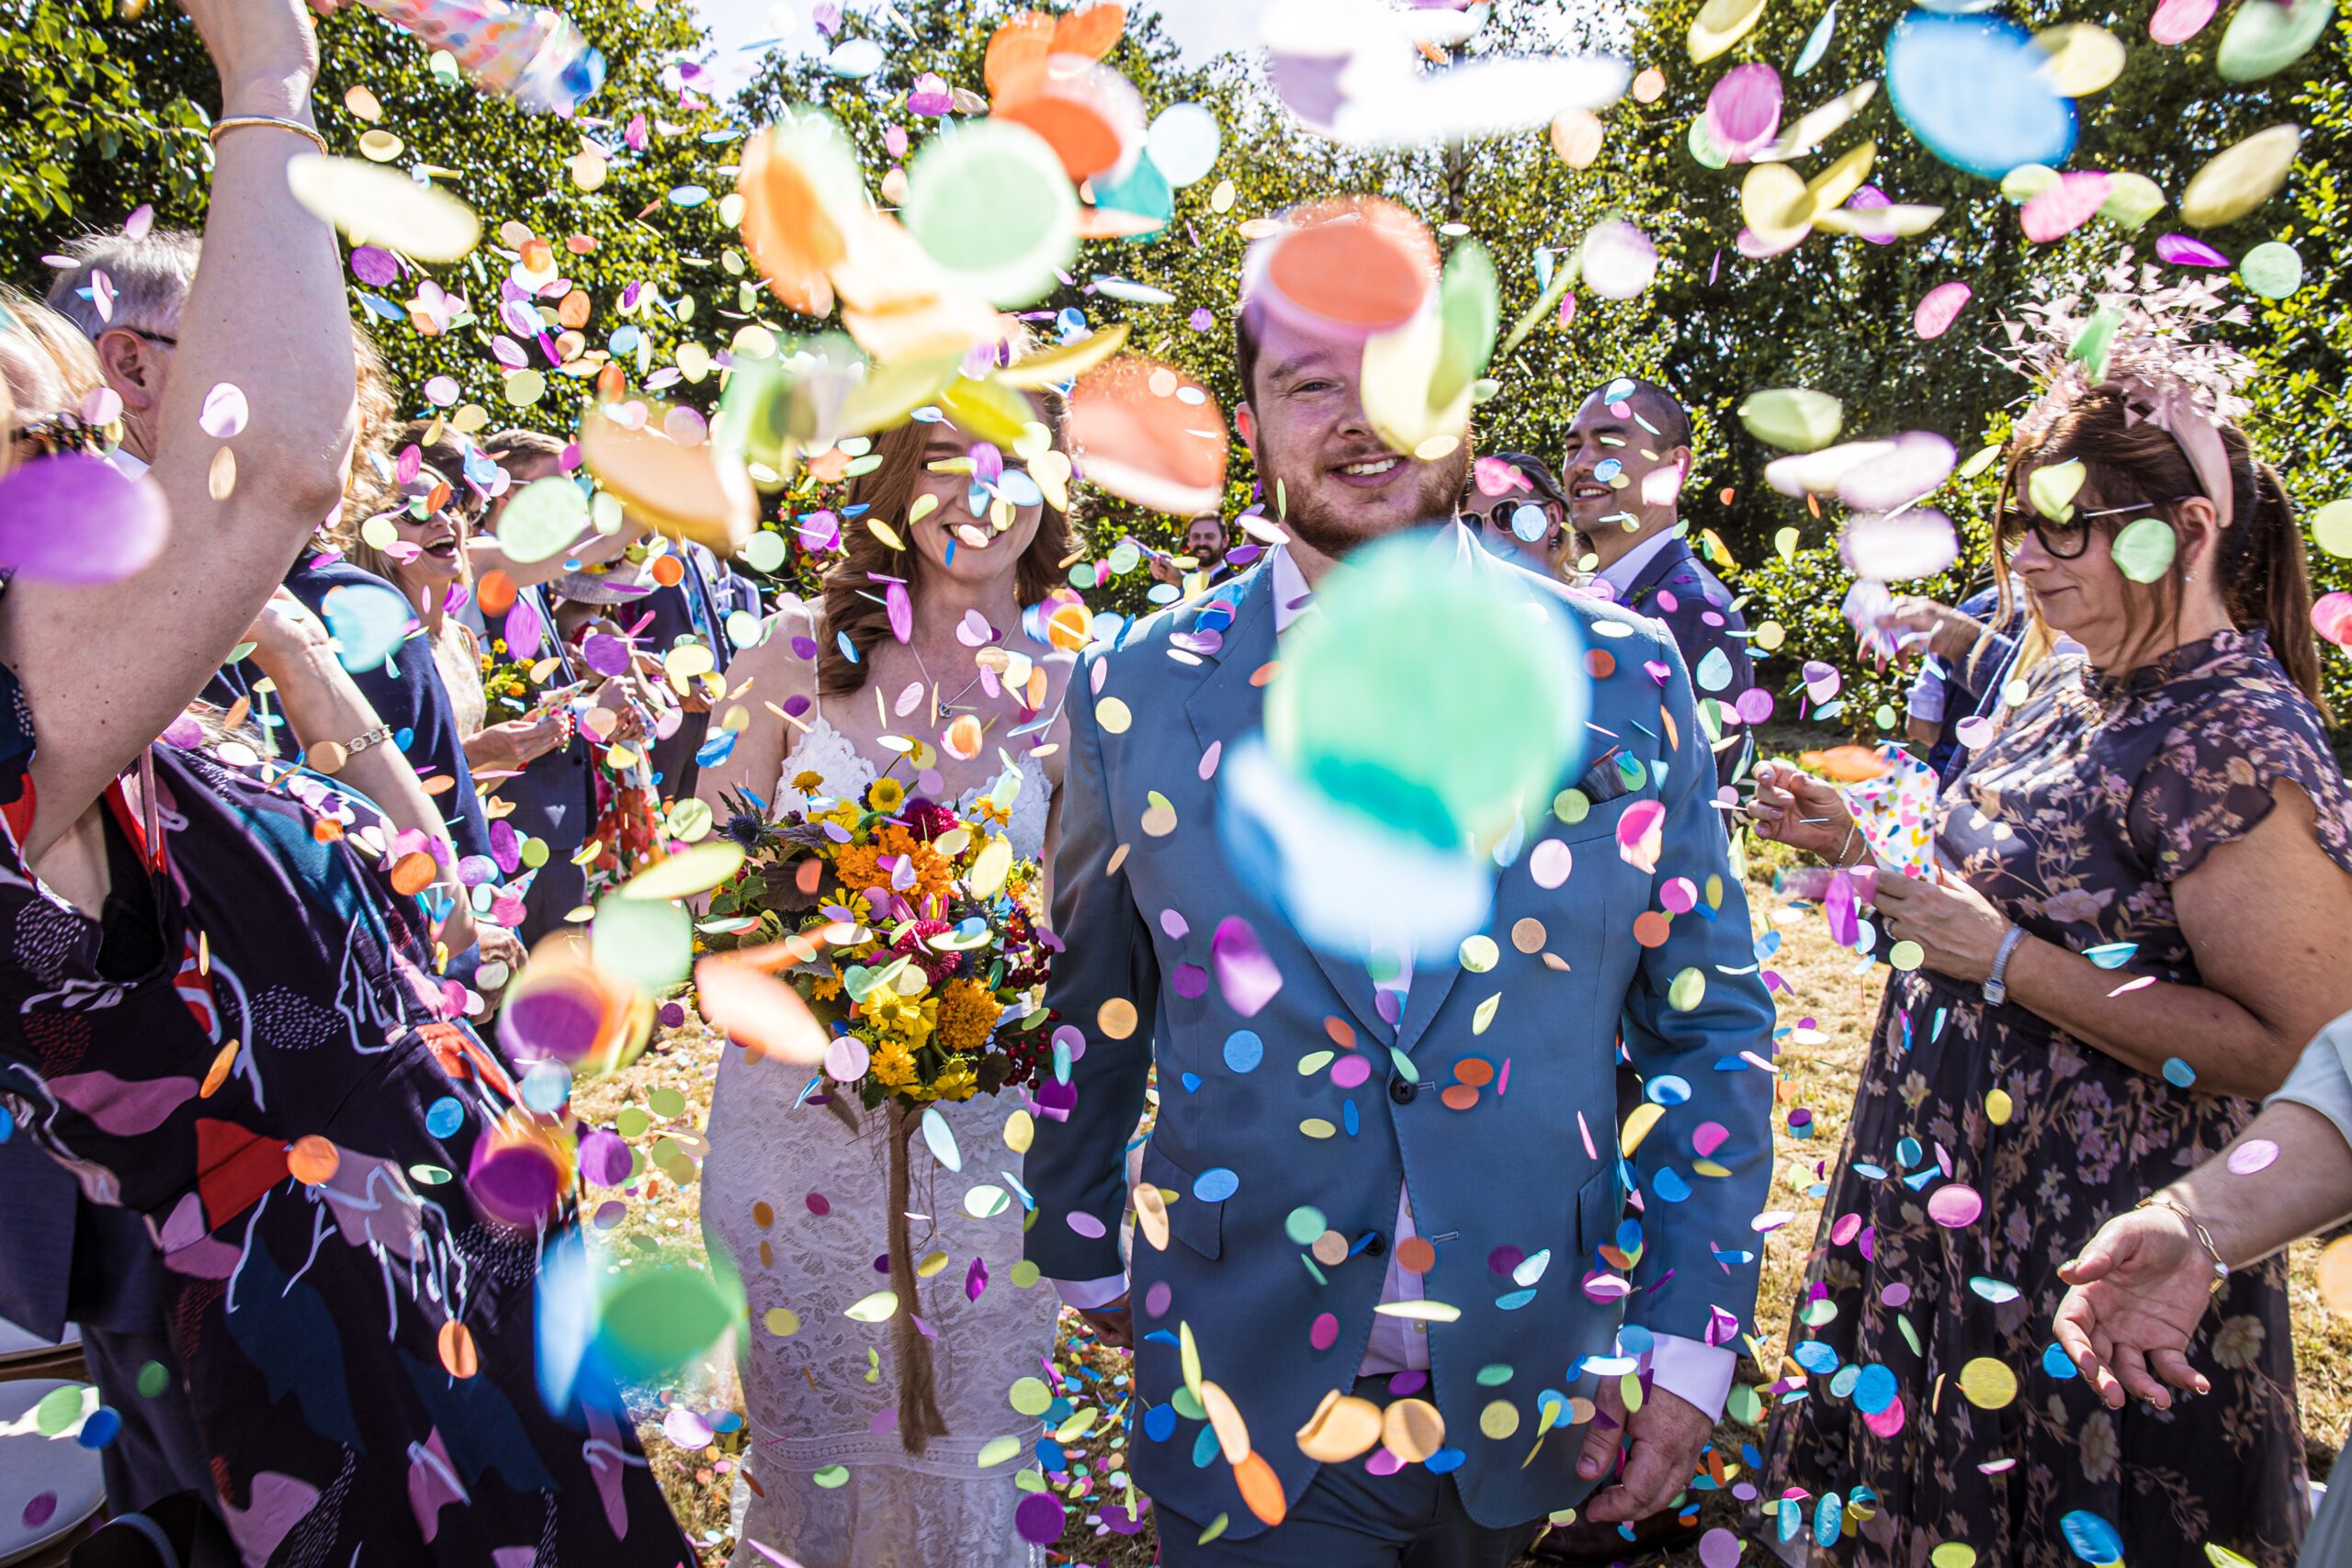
[[1087, 1225], [41, 1510], [375, 266], [1039, 1517], [818, 1205]]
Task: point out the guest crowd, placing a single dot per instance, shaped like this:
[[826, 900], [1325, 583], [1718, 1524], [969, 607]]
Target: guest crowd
[[268, 865]]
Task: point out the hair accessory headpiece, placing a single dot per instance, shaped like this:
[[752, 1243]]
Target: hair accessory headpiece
[[2134, 332]]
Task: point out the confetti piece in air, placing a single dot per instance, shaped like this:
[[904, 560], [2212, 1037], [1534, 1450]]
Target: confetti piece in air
[[73, 518], [1974, 92], [373, 205]]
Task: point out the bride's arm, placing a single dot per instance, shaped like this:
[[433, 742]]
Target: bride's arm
[[1058, 668], [762, 680]]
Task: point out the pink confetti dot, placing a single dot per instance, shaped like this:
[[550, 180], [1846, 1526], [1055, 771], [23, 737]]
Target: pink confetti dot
[[2254, 1154], [1886, 1423], [820, 1206], [1156, 1300], [1719, 1549], [1325, 1332], [1550, 863], [1351, 1071], [1956, 1205], [1710, 1136], [1896, 1296]]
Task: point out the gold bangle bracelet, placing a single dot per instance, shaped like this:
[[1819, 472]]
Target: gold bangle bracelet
[[239, 121], [2204, 1236]]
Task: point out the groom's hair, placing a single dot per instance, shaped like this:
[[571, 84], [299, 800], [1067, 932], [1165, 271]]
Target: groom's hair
[[1347, 209], [1658, 409]]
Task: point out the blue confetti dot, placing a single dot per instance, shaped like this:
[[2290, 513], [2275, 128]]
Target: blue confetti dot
[[1815, 1357], [1216, 1186], [2111, 955], [1051, 1458], [369, 622], [1159, 1423], [445, 1117], [1514, 1300], [1445, 1459], [2057, 1363], [2093, 1539], [1204, 1448], [1552, 1399], [101, 1427], [7, 1125], [1244, 1051], [1348, 1118], [1635, 1340], [2179, 1074], [1668, 1186], [1668, 1090], [1874, 1390], [1842, 1385], [1192, 1083], [1829, 1514]]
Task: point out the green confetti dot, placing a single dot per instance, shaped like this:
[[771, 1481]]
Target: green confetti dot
[[1304, 1225], [58, 1409], [832, 1477], [1571, 807], [2144, 548], [2272, 269], [667, 1103], [153, 1379], [1907, 955], [1030, 1397], [1687, 990]]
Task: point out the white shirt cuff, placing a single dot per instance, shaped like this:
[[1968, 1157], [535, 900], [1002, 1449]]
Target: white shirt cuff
[[1088, 1294], [1691, 1370]]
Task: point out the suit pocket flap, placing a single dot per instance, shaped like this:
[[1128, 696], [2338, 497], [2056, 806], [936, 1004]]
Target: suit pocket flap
[[1198, 1223], [1600, 1206]]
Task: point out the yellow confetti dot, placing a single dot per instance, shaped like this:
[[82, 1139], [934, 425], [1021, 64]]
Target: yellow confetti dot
[[1999, 1107], [218, 1074], [1479, 953], [1224, 1420], [1637, 1126], [1412, 1429], [1499, 1419], [380, 146], [1907, 955], [996, 1451], [1952, 1554], [1113, 715], [1342, 1427], [1988, 1384], [1151, 1216], [221, 482], [1030, 1397], [1116, 1018], [1020, 1131], [782, 1322], [1316, 1127]]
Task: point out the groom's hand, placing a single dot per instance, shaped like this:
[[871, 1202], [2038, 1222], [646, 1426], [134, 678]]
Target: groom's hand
[[1113, 1324], [1667, 1433]]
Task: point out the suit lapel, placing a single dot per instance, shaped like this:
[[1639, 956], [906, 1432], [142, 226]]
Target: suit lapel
[[1225, 706], [1669, 556]]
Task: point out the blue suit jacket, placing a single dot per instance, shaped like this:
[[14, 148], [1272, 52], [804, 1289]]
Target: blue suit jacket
[[1676, 587], [1510, 1177]]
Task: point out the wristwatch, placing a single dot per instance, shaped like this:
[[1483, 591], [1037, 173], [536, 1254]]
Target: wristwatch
[[1996, 993]]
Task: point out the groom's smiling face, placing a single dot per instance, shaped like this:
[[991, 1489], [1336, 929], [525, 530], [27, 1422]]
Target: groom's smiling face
[[1340, 484]]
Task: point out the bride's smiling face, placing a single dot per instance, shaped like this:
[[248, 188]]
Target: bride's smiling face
[[983, 509]]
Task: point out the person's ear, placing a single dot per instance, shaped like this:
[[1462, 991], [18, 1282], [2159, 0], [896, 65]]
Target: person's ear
[[1245, 425], [134, 373], [2197, 528]]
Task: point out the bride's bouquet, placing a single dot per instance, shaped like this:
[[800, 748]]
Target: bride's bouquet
[[911, 930], [915, 938]]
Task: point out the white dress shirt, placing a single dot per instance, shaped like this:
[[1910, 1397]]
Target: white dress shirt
[[1626, 569], [1691, 1370]]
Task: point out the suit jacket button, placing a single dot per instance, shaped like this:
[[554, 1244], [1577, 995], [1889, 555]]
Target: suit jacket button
[[1402, 1090], [1376, 1246]]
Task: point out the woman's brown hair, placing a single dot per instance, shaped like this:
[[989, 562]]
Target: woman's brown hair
[[2134, 468], [444, 456], [854, 603]]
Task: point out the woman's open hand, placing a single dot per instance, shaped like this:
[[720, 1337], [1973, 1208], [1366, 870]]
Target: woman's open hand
[[1792, 808]]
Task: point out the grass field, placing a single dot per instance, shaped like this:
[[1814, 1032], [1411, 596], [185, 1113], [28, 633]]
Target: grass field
[[1828, 1011]]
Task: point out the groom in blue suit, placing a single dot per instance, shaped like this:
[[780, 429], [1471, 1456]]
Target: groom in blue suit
[[1398, 1317]]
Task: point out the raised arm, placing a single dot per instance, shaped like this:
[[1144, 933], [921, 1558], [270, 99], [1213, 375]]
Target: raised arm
[[266, 315]]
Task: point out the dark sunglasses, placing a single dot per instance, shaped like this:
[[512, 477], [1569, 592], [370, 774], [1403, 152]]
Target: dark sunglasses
[[2060, 541], [59, 432], [1516, 515]]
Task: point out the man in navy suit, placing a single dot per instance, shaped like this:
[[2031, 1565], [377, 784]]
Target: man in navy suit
[[1377, 1322], [1628, 458]]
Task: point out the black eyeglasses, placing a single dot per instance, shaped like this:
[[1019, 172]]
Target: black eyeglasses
[[165, 338], [61, 433], [2060, 541]]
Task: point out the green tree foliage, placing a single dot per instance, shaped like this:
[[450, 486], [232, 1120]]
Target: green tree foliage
[[1836, 314], [101, 113]]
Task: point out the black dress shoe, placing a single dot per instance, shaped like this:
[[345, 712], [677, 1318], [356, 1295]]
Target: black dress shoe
[[1587, 1544]]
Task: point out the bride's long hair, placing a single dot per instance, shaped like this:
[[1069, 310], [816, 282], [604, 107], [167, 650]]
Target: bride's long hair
[[854, 603]]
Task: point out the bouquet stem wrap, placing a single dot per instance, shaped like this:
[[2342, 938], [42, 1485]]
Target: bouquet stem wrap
[[919, 1418]]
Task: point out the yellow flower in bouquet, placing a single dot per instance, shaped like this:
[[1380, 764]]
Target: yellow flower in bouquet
[[826, 986], [959, 1080], [893, 1065], [967, 1011], [887, 796], [806, 780], [905, 1017]]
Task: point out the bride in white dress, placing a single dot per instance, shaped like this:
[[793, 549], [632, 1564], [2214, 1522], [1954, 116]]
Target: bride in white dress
[[796, 1192]]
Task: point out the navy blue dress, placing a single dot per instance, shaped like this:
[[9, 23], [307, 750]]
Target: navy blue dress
[[249, 1054]]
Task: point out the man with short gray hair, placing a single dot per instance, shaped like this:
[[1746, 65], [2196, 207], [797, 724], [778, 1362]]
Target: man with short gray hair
[[125, 294]]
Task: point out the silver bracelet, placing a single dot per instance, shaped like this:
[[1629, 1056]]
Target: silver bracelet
[[374, 736]]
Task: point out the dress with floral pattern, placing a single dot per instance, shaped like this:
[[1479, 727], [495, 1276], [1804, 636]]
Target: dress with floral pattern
[[2096, 796], [249, 1053]]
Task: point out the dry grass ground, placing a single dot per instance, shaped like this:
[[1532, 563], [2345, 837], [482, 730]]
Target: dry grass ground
[[1827, 1010]]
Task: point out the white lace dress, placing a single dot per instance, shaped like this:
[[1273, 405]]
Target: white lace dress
[[832, 1486]]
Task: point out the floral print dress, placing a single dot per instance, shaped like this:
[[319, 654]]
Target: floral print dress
[[1987, 1146], [247, 1051]]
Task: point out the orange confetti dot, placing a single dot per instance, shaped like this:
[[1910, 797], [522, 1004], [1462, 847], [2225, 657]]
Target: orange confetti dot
[[218, 1072], [1477, 1071], [1599, 663], [1415, 1255], [495, 592], [667, 570], [439, 783], [1342, 1033], [1266, 672], [573, 310], [1651, 927], [458, 1351], [412, 873], [325, 829], [762, 1214], [1261, 1489], [1459, 1097], [312, 1161]]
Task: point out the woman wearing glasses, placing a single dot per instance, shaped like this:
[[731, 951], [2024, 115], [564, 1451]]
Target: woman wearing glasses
[[2140, 912]]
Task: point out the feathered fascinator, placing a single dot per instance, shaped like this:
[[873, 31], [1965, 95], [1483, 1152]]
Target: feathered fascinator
[[2135, 333]]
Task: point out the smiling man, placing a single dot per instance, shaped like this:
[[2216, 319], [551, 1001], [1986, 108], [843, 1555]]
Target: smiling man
[[1411, 1343], [1628, 457]]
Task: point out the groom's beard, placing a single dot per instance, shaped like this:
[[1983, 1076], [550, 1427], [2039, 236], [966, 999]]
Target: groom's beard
[[1335, 530]]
